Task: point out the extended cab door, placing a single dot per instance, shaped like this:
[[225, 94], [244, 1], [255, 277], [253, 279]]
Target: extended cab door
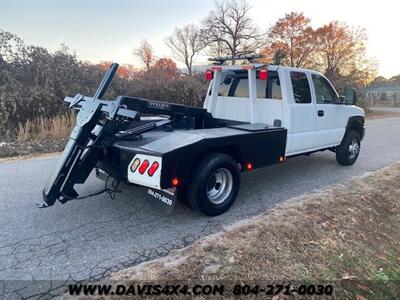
[[331, 117], [301, 133]]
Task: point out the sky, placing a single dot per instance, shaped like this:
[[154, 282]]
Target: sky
[[107, 30]]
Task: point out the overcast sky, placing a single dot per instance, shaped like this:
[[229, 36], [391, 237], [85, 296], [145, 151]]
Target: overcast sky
[[107, 30]]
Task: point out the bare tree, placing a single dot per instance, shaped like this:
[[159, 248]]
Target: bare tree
[[145, 54], [229, 23], [218, 49], [185, 43]]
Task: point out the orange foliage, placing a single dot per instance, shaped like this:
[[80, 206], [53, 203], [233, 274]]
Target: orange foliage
[[293, 39], [167, 67], [335, 49], [342, 52], [124, 71]]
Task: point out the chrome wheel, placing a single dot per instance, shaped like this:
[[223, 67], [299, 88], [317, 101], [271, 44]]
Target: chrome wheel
[[354, 149], [219, 186]]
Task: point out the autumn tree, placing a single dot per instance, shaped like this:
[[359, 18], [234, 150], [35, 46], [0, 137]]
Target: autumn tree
[[166, 67], [230, 25], [145, 54], [342, 54], [291, 41], [185, 43]]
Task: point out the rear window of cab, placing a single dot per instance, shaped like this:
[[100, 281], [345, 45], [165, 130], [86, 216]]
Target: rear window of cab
[[237, 85]]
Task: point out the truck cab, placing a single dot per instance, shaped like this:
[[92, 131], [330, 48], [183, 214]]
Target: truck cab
[[302, 101]]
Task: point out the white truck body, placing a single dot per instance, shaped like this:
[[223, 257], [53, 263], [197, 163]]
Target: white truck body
[[312, 125]]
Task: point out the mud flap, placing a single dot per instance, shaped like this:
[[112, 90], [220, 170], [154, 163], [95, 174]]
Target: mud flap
[[163, 199]]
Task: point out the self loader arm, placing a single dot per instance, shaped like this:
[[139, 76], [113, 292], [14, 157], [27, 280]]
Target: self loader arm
[[95, 124]]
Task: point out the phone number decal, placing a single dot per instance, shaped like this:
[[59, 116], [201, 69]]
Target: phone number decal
[[277, 289]]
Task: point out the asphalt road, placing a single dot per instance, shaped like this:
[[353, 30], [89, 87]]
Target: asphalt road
[[386, 109], [87, 239]]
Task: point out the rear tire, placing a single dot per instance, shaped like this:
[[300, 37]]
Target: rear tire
[[214, 185], [349, 149]]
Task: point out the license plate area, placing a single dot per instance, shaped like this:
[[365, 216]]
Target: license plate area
[[163, 199]]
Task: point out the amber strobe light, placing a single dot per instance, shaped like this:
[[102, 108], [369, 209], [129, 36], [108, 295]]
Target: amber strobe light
[[153, 168], [135, 164], [143, 167]]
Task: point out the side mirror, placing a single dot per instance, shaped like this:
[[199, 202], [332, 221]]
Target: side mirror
[[350, 96]]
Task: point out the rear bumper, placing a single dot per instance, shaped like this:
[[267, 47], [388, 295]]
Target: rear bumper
[[117, 163]]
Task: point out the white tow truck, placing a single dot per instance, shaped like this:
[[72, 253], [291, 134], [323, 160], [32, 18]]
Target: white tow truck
[[254, 115]]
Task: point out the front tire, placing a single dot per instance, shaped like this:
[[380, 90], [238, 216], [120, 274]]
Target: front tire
[[349, 149], [214, 185]]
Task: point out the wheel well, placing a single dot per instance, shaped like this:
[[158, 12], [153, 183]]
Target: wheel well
[[231, 150], [356, 125]]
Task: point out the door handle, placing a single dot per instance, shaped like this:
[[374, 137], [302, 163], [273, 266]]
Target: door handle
[[320, 113]]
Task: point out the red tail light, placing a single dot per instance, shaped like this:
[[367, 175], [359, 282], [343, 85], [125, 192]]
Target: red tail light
[[143, 167], [209, 75], [263, 74], [153, 168], [249, 166]]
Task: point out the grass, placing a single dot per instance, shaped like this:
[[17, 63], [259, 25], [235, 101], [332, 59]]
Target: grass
[[348, 235], [58, 127]]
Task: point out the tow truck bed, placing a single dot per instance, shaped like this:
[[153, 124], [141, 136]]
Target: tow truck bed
[[181, 149]]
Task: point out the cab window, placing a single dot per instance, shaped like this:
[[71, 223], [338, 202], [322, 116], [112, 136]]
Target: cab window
[[301, 87], [324, 93], [237, 85], [225, 87]]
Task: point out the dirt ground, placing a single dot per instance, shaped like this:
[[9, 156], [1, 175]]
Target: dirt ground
[[28, 149], [347, 236]]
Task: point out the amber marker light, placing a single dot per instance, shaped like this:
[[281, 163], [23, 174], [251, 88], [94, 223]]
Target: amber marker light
[[135, 165], [175, 181]]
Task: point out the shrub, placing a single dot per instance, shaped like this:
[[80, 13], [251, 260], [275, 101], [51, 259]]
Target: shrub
[[33, 83]]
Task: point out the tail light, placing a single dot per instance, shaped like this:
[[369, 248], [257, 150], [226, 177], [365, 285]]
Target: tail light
[[135, 165], [209, 75], [263, 74], [143, 167], [153, 168]]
